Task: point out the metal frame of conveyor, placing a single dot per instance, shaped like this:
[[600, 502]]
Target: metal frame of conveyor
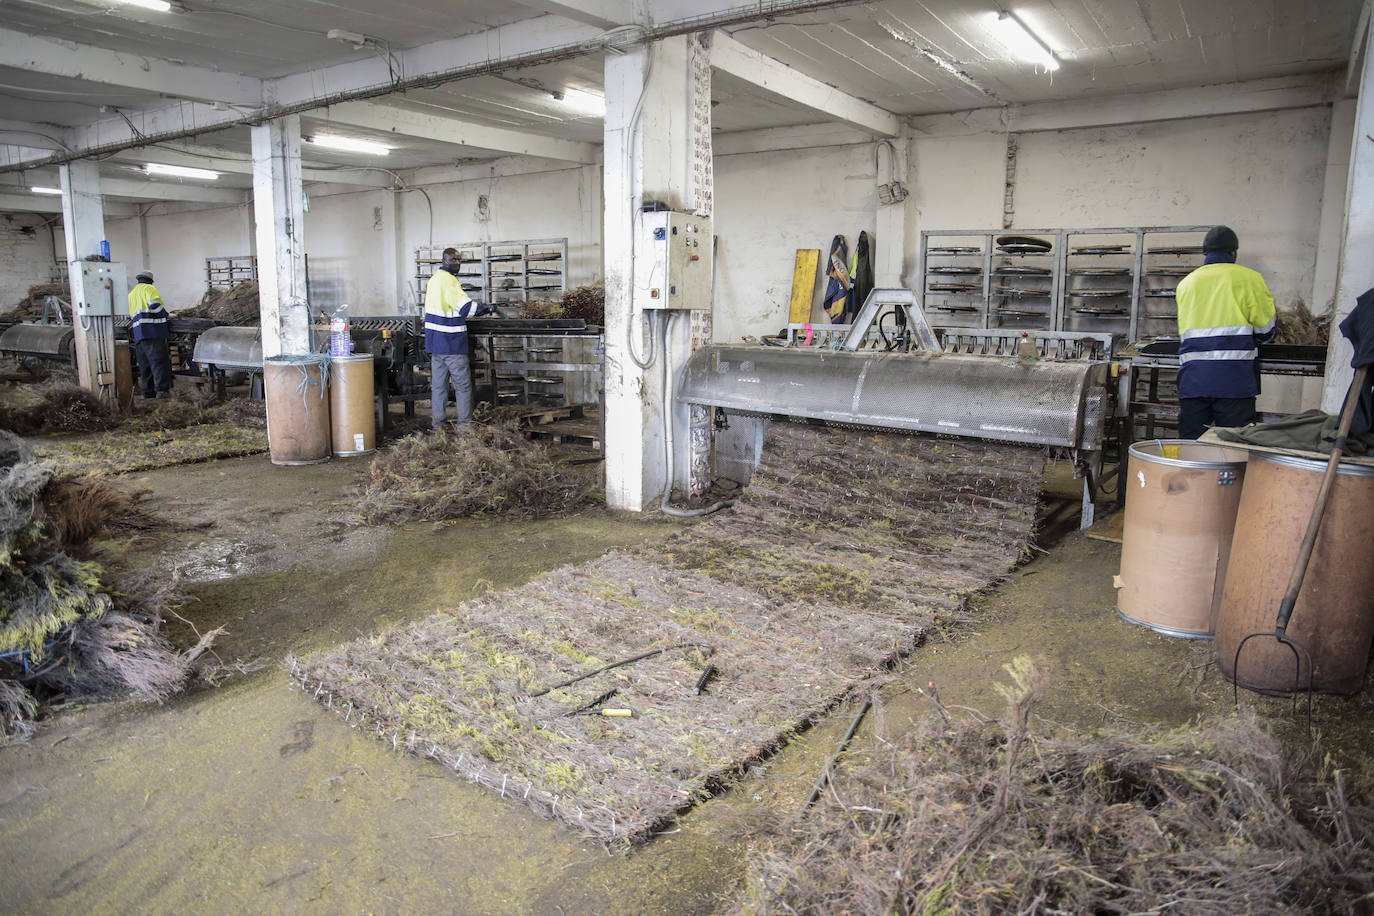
[[1063, 403]]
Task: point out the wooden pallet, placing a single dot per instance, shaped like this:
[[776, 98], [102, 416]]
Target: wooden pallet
[[549, 415], [583, 431]]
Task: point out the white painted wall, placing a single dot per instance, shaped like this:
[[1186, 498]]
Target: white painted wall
[[768, 205], [565, 203], [1262, 174], [25, 260], [348, 246], [177, 246]]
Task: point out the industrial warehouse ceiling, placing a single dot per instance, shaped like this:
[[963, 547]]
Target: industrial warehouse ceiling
[[105, 76]]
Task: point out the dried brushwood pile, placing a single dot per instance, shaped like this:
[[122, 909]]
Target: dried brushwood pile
[[82, 509], [504, 690], [1299, 325], [30, 308], [237, 305], [121, 452], [55, 407], [585, 302], [64, 632], [965, 814], [486, 468]]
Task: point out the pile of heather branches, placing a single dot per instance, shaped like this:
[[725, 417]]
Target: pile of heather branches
[[59, 407], [970, 815], [487, 468], [65, 632]]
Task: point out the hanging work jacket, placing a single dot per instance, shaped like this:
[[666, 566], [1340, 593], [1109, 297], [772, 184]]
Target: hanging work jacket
[[447, 309], [1224, 311], [145, 308]]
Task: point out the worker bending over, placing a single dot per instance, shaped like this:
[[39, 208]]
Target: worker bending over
[[447, 309], [1224, 312], [150, 338]]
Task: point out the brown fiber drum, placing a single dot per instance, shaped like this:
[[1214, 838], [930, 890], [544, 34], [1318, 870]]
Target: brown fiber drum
[[1334, 614], [1181, 502], [297, 392], [353, 418]]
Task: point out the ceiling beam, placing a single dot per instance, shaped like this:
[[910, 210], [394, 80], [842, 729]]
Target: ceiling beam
[[604, 14], [51, 203], [220, 160], [73, 60], [375, 116], [778, 78], [157, 190]]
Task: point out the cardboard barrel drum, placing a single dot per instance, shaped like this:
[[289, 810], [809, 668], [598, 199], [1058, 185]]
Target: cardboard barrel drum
[[351, 406], [1334, 614], [1181, 504], [297, 392]]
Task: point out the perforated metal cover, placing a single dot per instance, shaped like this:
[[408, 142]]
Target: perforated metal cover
[[230, 348], [52, 341], [1045, 403]]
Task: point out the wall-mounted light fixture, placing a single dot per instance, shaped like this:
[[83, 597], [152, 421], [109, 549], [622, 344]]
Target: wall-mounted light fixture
[[349, 144], [39, 189], [582, 102], [179, 171], [1021, 41]]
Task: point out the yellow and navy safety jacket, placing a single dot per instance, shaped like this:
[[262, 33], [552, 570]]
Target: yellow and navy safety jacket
[[1224, 311], [447, 309], [145, 308]]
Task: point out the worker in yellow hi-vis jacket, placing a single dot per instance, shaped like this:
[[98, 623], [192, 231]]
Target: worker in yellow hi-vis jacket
[[1224, 312], [150, 338]]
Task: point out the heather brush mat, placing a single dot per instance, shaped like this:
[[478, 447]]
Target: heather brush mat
[[845, 549]]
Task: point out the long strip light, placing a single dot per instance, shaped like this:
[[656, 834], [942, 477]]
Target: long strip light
[[39, 189], [157, 6], [350, 144], [179, 171], [1021, 41]]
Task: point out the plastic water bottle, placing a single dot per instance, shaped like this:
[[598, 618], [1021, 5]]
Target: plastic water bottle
[[340, 340], [1026, 349]]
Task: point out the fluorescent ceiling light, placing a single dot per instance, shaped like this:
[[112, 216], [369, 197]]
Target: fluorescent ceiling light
[[38, 189], [350, 144], [179, 171], [160, 6], [1021, 41], [582, 102]]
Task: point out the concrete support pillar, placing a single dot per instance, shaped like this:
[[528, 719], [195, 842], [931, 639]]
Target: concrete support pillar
[[1333, 205], [890, 244], [83, 221], [1356, 266], [654, 146], [279, 215]]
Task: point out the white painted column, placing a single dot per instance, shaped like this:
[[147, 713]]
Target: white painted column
[[83, 221], [649, 155], [890, 225], [1356, 265], [1332, 226], [279, 215]]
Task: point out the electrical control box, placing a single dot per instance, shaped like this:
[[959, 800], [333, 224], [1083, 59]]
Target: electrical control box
[[104, 290], [673, 261]]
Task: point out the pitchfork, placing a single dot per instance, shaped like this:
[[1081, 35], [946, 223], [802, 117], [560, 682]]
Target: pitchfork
[[1290, 597]]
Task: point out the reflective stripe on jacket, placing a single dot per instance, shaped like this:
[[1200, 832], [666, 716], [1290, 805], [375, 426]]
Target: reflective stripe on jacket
[[148, 313], [447, 308], [1224, 311]]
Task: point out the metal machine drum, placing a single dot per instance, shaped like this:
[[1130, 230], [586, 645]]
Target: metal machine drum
[[1334, 614], [1181, 507], [351, 405], [297, 393]]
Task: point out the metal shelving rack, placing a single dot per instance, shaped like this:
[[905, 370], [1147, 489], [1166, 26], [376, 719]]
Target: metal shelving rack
[[230, 271], [499, 272], [1145, 262]]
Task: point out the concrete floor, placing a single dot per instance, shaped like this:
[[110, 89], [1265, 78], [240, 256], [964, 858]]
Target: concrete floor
[[247, 796]]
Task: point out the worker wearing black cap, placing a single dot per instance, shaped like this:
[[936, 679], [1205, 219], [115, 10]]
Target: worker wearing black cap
[[1224, 312], [150, 338]]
